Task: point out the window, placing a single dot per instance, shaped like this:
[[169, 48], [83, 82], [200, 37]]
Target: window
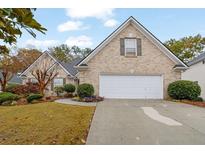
[[33, 80], [57, 82], [130, 47]]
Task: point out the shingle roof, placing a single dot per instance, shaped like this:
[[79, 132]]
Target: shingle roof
[[70, 66], [197, 59]]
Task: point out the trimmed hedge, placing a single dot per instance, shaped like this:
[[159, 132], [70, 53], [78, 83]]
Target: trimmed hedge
[[7, 96], [184, 89], [32, 97], [85, 90], [199, 99], [69, 88]]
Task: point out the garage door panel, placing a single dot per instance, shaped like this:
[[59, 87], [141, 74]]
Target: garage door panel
[[133, 87]]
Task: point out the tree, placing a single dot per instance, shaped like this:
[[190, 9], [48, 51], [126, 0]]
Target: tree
[[9, 65], [12, 21], [62, 53], [65, 53], [80, 52], [27, 56], [44, 74], [187, 48]]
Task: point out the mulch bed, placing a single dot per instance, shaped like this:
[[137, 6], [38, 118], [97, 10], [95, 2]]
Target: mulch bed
[[200, 104]]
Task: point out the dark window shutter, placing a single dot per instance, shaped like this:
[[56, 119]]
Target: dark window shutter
[[122, 47], [139, 47], [52, 85], [64, 81]]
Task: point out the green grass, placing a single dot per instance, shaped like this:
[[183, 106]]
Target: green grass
[[44, 123]]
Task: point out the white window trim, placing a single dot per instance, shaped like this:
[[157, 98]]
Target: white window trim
[[54, 82], [135, 45]]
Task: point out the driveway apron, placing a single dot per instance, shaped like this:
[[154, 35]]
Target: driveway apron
[[147, 122]]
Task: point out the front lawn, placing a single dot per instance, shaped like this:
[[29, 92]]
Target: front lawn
[[44, 123]]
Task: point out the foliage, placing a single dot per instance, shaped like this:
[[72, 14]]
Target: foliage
[[184, 89], [9, 65], [199, 99], [61, 52], [69, 88], [85, 90], [13, 21], [79, 52], [10, 86], [24, 89], [27, 56], [6, 96], [186, 48], [32, 97], [58, 90], [66, 54]]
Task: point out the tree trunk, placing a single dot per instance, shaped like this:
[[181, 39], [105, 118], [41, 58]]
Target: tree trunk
[[3, 87], [41, 91]]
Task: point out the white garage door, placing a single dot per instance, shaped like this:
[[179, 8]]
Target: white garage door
[[131, 87]]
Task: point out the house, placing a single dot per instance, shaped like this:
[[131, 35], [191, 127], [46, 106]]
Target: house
[[196, 72], [66, 71], [130, 63]]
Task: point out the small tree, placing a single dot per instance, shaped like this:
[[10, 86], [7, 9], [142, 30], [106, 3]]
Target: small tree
[[58, 90], [44, 74], [9, 65]]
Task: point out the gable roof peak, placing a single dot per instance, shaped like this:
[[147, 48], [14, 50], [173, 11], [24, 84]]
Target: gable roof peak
[[145, 32]]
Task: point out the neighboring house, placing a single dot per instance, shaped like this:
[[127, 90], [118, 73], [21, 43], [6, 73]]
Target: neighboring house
[[196, 72], [66, 71], [130, 63]]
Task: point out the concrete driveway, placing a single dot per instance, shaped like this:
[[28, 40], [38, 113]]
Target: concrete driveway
[[147, 122]]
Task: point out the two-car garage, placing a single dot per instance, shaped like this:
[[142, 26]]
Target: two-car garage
[[131, 86]]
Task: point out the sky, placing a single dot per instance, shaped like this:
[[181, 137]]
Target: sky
[[88, 27]]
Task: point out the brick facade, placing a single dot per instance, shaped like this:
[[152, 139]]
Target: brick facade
[[108, 60]]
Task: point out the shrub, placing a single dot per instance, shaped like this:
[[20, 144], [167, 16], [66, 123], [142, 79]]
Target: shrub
[[24, 89], [32, 97], [7, 96], [85, 90], [58, 90], [69, 88], [198, 99], [10, 86], [184, 89]]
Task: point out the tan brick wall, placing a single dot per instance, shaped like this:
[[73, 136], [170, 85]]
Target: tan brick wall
[[108, 60], [61, 74]]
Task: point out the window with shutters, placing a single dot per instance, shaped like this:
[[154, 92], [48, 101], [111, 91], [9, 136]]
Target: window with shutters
[[57, 82], [130, 47]]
